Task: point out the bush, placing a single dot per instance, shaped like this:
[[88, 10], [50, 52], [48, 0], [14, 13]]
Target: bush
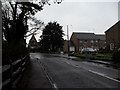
[[12, 53], [116, 56]]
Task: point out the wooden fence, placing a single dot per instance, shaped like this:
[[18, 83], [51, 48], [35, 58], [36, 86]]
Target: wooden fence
[[12, 73]]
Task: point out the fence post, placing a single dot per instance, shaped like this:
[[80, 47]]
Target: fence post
[[11, 71]]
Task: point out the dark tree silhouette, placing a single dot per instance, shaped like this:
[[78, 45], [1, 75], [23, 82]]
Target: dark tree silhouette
[[14, 26], [15, 16], [52, 37]]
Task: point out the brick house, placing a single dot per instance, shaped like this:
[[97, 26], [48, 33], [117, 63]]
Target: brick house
[[113, 37], [86, 40], [71, 46], [102, 41], [33, 44]]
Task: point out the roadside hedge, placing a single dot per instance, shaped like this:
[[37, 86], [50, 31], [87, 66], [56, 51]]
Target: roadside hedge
[[116, 57]]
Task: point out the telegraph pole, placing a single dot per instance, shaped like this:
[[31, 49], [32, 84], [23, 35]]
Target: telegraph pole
[[68, 40]]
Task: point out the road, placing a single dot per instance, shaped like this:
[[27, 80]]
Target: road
[[66, 73]]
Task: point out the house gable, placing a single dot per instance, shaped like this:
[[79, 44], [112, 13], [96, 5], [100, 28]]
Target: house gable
[[33, 42], [75, 41], [113, 36], [85, 40]]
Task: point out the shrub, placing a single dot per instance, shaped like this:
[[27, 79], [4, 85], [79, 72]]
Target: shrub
[[12, 53], [116, 56]]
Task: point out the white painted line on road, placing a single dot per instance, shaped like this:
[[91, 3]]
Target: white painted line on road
[[47, 76], [72, 65], [55, 86], [76, 65], [112, 79], [101, 74], [67, 62], [104, 75]]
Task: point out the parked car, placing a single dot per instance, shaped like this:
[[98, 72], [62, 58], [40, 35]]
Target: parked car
[[88, 50], [61, 52]]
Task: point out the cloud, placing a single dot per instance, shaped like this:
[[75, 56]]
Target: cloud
[[82, 16]]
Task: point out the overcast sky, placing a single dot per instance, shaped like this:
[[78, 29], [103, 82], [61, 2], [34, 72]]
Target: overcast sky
[[95, 17]]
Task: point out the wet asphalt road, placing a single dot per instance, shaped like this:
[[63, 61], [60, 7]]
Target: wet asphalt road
[[66, 73]]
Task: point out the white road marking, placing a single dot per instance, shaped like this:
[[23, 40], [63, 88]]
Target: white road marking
[[112, 79], [67, 62], [55, 86], [72, 64], [48, 77], [76, 65], [103, 75]]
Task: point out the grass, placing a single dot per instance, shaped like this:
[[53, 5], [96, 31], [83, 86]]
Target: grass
[[78, 59], [97, 56]]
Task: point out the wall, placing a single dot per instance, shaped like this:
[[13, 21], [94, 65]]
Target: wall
[[65, 46], [75, 41], [113, 36]]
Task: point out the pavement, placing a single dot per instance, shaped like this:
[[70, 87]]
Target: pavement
[[89, 60], [34, 76]]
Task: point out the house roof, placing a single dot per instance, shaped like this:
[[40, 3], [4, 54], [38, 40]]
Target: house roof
[[33, 39], [115, 25], [101, 36], [84, 36]]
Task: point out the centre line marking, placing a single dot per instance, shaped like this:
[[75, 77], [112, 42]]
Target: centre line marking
[[76, 65], [96, 73], [67, 62]]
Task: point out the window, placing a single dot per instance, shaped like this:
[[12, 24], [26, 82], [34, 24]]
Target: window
[[96, 41], [85, 41], [80, 41], [111, 46], [92, 41]]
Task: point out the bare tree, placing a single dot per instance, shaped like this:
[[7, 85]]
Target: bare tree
[[16, 14]]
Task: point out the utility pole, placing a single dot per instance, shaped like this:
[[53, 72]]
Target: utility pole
[[68, 40]]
